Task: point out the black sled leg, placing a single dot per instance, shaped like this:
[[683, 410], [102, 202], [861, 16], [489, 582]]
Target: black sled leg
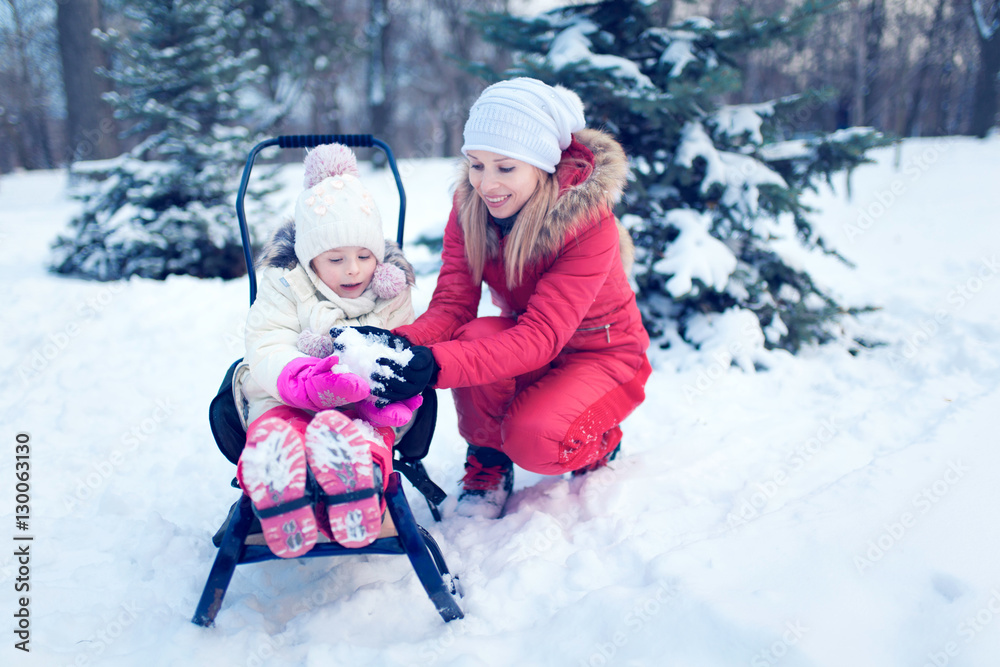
[[230, 551], [435, 580]]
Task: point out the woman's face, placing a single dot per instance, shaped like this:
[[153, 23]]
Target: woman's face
[[505, 184]]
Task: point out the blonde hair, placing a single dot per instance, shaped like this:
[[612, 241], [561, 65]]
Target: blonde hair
[[522, 241]]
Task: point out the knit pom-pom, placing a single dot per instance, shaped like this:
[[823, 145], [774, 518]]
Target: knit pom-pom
[[315, 344], [329, 160], [388, 280]]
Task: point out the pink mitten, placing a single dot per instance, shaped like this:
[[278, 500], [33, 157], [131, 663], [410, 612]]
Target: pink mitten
[[309, 384], [394, 414]]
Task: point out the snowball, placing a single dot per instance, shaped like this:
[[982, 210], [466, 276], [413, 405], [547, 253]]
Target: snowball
[[361, 354]]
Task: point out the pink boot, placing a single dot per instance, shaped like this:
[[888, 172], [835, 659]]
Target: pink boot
[[272, 471], [339, 455]]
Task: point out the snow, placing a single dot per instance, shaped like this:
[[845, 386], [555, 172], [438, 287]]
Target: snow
[[680, 54], [572, 46], [680, 44], [680, 51], [785, 150], [695, 254], [270, 464], [732, 337], [735, 121], [741, 175], [832, 510]]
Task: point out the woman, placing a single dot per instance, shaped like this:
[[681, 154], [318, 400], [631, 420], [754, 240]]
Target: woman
[[546, 384]]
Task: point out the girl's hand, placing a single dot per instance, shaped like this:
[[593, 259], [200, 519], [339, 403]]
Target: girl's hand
[[310, 384], [393, 414]]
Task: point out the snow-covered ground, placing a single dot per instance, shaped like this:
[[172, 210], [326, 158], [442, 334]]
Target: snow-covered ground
[[834, 510]]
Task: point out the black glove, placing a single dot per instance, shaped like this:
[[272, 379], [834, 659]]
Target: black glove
[[402, 382], [374, 334]]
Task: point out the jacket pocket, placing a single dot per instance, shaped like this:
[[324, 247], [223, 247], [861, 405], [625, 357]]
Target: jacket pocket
[[606, 328]]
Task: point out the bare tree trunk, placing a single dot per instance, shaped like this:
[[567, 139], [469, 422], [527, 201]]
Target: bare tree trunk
[[662, 12], [860, 64], [984, 108], [464, 87], [91, 131], [933, 42], [464, 45], [32, 143], [876, 99]]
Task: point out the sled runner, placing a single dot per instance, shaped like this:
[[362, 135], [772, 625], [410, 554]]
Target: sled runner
[[239, 540]]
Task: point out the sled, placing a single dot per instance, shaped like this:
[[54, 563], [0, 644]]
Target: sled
[[237, 542]]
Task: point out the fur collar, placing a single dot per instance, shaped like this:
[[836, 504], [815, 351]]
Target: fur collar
[[279, 251], [584, 192]]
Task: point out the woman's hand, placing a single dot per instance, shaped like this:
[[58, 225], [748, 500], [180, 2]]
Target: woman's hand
[[400, 382]]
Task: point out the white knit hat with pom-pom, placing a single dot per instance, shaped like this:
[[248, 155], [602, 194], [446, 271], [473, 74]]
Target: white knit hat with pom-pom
[[335, 210]]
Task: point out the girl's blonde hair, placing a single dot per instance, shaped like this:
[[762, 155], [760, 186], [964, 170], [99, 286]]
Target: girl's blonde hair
[[523, 239]]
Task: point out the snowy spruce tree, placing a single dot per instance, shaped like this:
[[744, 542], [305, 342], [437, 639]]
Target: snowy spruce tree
[[715, 205], [166, 207]]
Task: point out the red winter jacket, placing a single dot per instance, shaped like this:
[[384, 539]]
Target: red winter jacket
[[574, 297]]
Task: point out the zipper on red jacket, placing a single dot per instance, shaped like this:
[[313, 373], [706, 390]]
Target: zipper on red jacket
[[606, 327]]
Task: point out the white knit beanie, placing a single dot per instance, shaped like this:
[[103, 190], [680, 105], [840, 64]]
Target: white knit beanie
[[524, 119], [335, 210]]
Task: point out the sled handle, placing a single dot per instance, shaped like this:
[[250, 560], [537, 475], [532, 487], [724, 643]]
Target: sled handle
[[313, 140], [310, 141]]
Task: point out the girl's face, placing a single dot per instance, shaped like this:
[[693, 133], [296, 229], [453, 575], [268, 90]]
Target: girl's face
[[347, 270], [505, 184]]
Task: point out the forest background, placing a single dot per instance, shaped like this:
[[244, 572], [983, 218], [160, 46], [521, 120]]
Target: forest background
[[397, 69]]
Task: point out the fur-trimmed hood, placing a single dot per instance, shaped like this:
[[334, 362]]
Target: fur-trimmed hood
[[583, 191], [279, 251]]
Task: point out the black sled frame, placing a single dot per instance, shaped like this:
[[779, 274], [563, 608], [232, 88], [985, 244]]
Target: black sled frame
[[412, 539]]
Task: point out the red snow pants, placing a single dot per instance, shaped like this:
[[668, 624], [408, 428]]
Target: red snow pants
[[555, 419]]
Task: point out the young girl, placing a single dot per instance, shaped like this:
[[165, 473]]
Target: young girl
[[310, 415]]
